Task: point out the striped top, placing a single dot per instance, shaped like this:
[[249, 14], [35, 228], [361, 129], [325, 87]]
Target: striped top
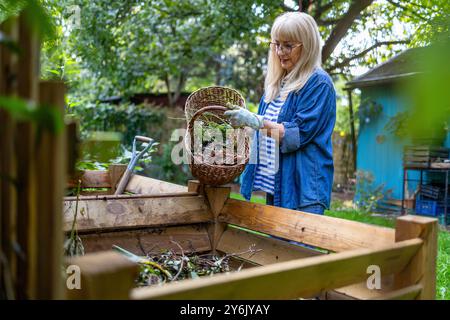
[[266, 169]]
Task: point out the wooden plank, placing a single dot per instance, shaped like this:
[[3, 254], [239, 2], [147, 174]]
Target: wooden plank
[[290, 279], [321, 231], [92, 179], [105, 197], [193, 238], [360, 291], [145, 185], [422, 269], [272, 250], [427, 148], [140, 212], [438, 165], [426, 153], [408, 293], [51, 164], [104, 275]]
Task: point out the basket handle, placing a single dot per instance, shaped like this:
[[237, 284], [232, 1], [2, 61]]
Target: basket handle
[[199, 112]]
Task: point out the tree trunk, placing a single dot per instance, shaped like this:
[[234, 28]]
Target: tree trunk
[[173, 97]]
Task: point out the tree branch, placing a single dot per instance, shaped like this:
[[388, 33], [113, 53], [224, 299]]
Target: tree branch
[[341, 28], [398, 5], [346, 61], [327, 22], [322, 9]]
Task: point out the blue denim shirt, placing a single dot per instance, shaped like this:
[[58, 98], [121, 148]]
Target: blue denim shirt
[[305, 171]]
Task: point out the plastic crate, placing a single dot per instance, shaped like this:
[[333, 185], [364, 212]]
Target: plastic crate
[[431, 208], [427, 207]]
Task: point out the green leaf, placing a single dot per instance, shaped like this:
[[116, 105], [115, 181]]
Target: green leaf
[[46, 117]]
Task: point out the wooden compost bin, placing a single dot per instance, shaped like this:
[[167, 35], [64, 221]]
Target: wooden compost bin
[[204, 219]]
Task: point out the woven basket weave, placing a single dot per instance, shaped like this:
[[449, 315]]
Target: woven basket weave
[[212, 100]]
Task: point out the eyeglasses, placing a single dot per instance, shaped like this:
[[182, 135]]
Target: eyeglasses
[[286, 48]]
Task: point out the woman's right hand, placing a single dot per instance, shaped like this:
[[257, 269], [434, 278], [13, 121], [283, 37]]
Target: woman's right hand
[[242, 117]]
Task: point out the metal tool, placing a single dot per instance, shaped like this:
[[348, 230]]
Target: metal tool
[[134, 158]]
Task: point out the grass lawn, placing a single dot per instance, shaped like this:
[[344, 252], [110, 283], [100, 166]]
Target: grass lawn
[[443, 259]]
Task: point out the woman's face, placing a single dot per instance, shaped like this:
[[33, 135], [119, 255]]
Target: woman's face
[[288, 52]]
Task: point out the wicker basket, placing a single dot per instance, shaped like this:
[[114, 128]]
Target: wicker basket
[[212, 100]]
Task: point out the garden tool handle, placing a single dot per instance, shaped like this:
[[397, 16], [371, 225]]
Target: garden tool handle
[[134, 158], [123, 181], [144, 139]]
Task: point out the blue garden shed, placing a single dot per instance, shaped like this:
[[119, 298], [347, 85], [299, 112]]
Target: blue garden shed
[[379, 150]]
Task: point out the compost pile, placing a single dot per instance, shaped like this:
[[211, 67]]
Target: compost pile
[[217, 145], [169, 266]]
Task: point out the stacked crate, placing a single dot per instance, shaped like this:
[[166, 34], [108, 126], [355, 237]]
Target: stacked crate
[[431, 202], [431, 199], [423, 156]]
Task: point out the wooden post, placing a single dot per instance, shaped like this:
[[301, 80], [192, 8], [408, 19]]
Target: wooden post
[[50, 162], [422, 268], [195, 186], [8, 166], [103, 275], [216, 196], [115, 173], [72, 146], [27, 78], [352, 128]]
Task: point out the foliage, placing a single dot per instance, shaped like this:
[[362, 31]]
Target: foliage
[[89, 161], [367, 194], [165, 169], [342, 124], [46, 117], [368, 111], [130, 46], [396, 125], [431, 19], [127, 118], [36, 15], [443, 266], [167, 265], [360, 216], [255, 199], [430, 107]]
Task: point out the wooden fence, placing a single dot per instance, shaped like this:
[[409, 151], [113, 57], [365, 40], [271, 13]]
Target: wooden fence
[[32, 171]]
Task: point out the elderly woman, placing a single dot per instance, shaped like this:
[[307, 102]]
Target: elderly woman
[[295, 121]]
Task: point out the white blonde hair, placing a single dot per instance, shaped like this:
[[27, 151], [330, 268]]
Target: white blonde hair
[[301, 28]]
